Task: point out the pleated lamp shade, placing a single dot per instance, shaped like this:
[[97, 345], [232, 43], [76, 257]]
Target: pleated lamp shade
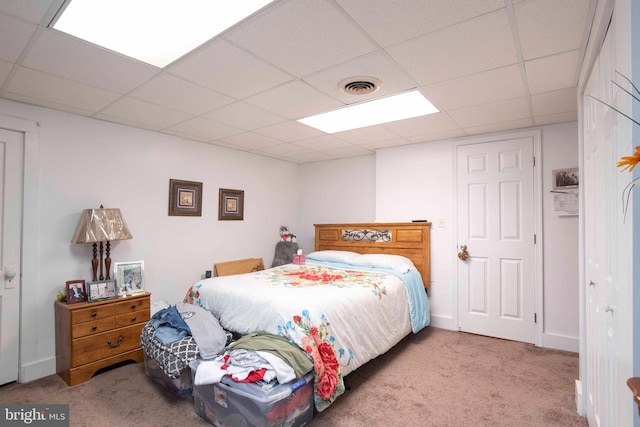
[[101, 225]]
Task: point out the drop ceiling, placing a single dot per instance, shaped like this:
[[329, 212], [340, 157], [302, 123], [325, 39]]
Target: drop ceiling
[[488, 65]]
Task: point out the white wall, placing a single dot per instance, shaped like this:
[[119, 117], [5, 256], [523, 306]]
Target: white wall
[[85, 162], [561, 234], [416, 182], [335, 192]]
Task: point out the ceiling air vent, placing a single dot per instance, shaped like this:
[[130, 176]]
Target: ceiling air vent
[[359, 85]]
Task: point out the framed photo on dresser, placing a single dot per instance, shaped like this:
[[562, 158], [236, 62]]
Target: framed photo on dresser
[[76, 291]]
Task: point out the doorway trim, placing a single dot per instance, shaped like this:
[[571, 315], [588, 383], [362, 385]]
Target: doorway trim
[[536, 135], [27, 369]]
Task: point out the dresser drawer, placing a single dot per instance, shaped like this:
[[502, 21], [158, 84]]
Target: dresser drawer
[[106, 344], [132, 305], [131, 318], [79, 330], [92, 313]]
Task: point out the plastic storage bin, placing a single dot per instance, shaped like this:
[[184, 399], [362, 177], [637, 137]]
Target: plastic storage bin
[[259, 404], [182, 386]]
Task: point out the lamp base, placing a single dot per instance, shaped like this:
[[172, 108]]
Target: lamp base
[[94, 262]]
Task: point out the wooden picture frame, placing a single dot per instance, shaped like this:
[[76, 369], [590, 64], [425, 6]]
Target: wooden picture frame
[[76, 291], [129, 276], [101, 290], [230, 205], [185, 198]]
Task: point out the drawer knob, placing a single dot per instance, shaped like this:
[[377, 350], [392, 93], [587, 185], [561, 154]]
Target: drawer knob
[[133, 306], [94, 313], [116, 344], [133, 319], [94, 327]]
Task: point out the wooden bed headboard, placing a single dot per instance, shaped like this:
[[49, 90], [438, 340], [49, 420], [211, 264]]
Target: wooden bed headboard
[[409, 239]]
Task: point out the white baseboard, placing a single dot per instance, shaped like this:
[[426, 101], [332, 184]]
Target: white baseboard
[[442, 322], [560, 342], [35, 370]]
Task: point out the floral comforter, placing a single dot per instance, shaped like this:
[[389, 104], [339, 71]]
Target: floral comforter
[[342, 317]]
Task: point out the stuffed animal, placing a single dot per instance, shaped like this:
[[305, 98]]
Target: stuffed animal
[[286, 235]]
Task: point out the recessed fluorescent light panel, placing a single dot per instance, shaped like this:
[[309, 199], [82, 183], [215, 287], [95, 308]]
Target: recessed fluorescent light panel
[[154, 31], [397, 107]]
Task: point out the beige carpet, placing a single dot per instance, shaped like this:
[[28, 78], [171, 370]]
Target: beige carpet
[[434, 378]]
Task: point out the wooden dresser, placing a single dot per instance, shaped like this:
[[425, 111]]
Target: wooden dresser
[[91, 336]]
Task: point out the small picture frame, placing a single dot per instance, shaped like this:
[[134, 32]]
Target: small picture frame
[[129, 276], [76, 291], [101, 290], [230, 205], [566, 179], [185, 198]]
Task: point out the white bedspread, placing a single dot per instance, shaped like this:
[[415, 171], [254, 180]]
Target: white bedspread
[[342, 317]]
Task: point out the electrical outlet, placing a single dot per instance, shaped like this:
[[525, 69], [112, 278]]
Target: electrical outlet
[[440, 222]]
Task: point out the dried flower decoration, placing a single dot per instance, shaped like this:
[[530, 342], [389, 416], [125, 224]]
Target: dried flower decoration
[[630, 162]]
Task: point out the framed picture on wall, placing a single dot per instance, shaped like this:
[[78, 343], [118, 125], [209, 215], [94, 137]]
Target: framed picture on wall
[[230, 204], [566, 179], [185, 198]]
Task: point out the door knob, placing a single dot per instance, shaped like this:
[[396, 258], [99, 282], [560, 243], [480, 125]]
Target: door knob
[[9, 274], [463, 254], [608, 308]]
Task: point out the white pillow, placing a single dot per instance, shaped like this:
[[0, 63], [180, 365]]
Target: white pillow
[[392, 262], [333, 256]]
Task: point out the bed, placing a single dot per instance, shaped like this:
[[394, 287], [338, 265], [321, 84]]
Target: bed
[[359, 293]]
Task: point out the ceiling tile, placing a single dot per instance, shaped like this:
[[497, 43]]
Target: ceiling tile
[[138, 111], [284, 150], [57, 53], [303, 36], [243, 116], [367, 134], [37, 85], [204, 129], [390, 22], [290, 131], [314, 156], [489, 86], [430, 123], [385, 144], [436, 136], [477, 45], [251, 141], [5, 69], [547, 27], [294, 100], [552, 72], [47, 104], [174, 92], [570, 116], [352, 151], [499, 127], [322, 143], [378, 65], [559, 101], [497, 112], [227, 69], [14, 36], [30, 10]]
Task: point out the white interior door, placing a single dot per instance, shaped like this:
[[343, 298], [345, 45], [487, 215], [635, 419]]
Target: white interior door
[[496, 222], [11, 185]]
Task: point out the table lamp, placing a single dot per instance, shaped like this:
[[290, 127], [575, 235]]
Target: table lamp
[[98, 226]]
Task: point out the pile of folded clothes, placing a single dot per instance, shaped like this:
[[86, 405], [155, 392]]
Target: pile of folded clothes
[[174, 336]]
